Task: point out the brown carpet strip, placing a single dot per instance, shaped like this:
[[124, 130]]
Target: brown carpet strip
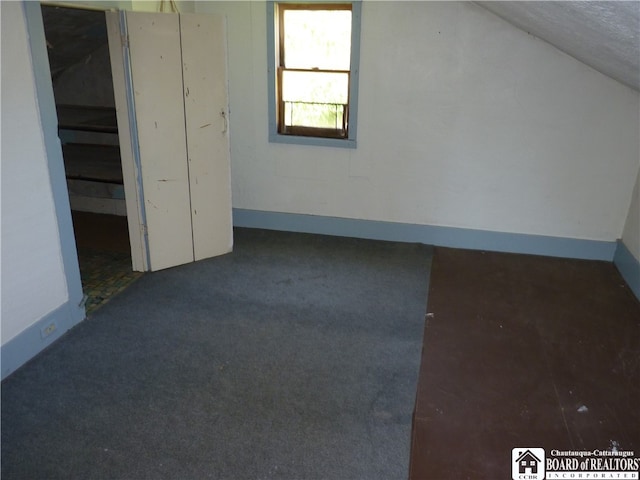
[[523, 351]]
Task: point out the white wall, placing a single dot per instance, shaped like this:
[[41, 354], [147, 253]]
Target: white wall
[[464, 121], [33, 279], [631, 233]]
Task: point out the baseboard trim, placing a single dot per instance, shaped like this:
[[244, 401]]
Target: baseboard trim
[[27, 344], [427, 234], [628, 266]]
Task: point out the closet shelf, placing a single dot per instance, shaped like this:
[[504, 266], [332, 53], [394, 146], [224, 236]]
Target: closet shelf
[[86, 118], [93, 162]]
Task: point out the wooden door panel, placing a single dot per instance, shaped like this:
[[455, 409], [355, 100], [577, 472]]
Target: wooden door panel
[[156, 68], [172, 105], [206, 112]]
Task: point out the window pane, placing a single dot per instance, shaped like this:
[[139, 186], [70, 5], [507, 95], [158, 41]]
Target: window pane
[[316, 87], [317, 39], [317, 115]]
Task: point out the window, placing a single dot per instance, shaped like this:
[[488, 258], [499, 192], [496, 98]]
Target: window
[[313, 54]]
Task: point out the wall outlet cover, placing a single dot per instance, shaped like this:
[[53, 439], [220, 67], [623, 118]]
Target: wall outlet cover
[[48, 329]]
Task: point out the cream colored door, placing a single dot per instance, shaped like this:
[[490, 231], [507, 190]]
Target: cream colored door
[[207, 125], [171, 95]]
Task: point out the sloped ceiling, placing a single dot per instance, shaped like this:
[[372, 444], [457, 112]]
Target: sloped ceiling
[[603, 35]]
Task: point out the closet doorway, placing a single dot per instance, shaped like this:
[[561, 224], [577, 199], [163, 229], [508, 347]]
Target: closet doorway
[[78, 49], [143, 117]]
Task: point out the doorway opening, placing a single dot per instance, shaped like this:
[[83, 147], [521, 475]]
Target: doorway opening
[[78, 49]]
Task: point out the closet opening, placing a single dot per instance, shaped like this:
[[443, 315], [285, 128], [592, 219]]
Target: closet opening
[[78, 49]]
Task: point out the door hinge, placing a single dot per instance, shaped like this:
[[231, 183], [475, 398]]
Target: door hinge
[[124, 40]]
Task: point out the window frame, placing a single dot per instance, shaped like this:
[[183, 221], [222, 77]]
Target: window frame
[[296, 135]]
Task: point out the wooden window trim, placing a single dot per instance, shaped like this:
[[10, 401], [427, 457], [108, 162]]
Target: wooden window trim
[[337, 133]]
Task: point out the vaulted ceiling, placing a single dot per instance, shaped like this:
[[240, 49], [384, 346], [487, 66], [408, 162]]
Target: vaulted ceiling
[[604, 35]]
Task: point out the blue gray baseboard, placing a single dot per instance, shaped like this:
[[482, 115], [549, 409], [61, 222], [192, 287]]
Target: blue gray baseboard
[[31, 341], [628, 266], [427, 234]]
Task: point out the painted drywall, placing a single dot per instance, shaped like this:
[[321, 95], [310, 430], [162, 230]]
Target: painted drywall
[[627, 255], [464, 121], [33, 278], [631, 233]]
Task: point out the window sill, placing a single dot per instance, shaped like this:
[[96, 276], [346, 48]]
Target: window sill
[[316, 141]]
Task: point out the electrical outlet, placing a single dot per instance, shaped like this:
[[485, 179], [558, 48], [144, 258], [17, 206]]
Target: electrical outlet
[[48, 329]]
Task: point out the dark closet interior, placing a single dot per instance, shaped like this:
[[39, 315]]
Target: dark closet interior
[[79, 60]]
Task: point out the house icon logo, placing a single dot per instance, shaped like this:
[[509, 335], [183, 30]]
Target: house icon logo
[[527, 464]]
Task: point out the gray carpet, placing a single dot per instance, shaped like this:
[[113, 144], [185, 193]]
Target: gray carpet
[[295, 357]]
